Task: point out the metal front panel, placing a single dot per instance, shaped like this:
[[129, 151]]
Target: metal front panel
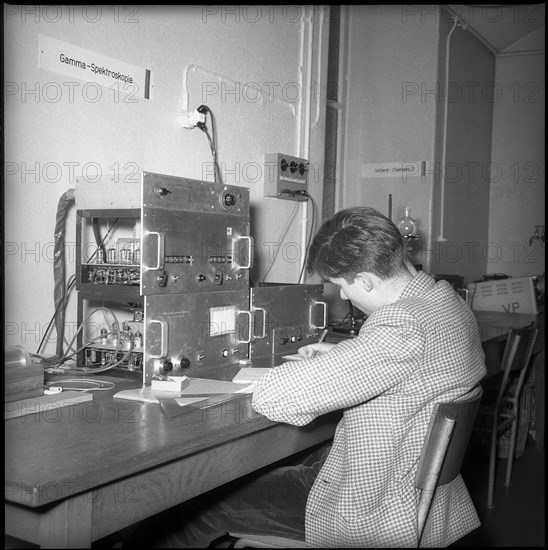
[[194, 252], [195, 236], [188, 333], [174, 193], [285, 318]]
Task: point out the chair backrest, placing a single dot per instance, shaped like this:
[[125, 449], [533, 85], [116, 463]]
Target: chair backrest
[[527, 339], [462, 413], [444, 447]]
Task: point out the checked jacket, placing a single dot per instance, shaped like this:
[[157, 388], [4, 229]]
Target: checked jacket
[[421, 349]]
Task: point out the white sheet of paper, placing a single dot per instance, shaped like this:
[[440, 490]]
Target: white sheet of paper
[[196, 385]]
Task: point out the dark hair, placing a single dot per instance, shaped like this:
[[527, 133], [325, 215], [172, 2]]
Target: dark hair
[[356, 240]]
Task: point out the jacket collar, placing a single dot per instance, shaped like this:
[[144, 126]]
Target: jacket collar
[[422, 282]]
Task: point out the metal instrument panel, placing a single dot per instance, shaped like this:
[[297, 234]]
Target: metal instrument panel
[[195, 236], [285, 318], [183, 194], [192, 333], [186, 251]]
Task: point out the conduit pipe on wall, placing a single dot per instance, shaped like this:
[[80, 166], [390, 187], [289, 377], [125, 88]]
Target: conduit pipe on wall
[[185, 101], [319, 68], [305, 119], [456, 23], [303, 138]]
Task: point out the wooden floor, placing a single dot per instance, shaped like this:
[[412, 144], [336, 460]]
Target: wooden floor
[[518, 516]]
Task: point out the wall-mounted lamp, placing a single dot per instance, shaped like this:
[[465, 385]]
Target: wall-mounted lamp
[[538, 236]]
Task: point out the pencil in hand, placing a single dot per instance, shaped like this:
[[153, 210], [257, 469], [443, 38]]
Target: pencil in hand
[[322, 338]]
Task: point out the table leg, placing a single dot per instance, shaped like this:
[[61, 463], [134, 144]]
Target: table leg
[[66, 524], [538, 365]]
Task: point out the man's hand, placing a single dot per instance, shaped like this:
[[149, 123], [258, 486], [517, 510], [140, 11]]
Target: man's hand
[[310, 351]]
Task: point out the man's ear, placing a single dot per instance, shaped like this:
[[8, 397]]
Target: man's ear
[[365, 280]]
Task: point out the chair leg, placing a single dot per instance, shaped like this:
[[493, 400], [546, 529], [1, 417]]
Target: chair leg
[[492, 460], [511, 451]]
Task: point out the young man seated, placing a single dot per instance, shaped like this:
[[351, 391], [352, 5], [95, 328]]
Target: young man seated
[[418, 346]]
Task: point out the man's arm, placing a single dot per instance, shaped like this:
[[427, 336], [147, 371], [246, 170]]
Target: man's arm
[[351, 373]]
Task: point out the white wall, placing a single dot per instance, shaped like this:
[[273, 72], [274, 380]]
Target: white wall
[[236, 56], [396, 91], [518, 189], [460, 247], [392, 60]]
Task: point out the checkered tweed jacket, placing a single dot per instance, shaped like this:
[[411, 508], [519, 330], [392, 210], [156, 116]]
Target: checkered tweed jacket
[[422, 349]]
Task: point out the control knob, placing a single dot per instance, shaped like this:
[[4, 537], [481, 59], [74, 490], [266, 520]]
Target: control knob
[[166, 366], [229, 199], [182, 362]]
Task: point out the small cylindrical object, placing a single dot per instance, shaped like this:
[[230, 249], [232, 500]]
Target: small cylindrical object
[[16, 356], [111, 255], [138, 340], [100, 256], [125, 256]]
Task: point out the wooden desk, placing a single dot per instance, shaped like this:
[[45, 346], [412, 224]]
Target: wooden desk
[[76, 474], [494, 327]]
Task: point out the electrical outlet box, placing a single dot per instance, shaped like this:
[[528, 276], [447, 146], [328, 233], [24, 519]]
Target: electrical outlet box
[[285, 176], [190, 119]]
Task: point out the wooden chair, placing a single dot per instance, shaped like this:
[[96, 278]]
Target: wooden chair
[[500, 409], [440, 462]]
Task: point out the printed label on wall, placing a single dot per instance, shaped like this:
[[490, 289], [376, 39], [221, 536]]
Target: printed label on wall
[[403, 170], [75, 62]]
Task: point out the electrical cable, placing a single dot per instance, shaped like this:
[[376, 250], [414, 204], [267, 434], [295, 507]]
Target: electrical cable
[[213, 153], [66, 200], [214, 135], [102, 242], [62, 291], [204, 109], [70, 284], [98, 241], [56, 361], [309, 240], [84, 371], [98, 384], [84, 346], [282, 236]]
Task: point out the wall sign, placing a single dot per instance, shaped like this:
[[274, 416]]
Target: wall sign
[[75, 62], [403, 170]]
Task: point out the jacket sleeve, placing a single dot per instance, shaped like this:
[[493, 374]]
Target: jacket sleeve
[[353, 372]]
